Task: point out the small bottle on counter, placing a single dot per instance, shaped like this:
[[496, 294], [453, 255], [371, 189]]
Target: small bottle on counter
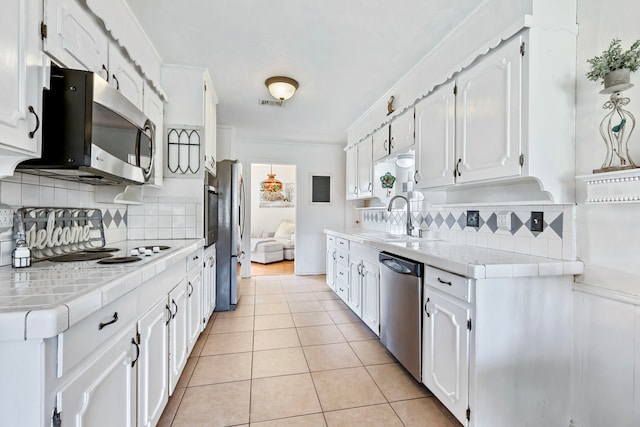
[[21, 255]]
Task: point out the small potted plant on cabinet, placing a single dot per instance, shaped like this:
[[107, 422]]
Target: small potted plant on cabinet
[[614, 66]]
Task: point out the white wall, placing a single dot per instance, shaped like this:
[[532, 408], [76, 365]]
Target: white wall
[[311, 219], [607, 317], [268, 218]]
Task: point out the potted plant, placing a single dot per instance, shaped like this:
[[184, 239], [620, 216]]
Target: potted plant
[[614, 66]]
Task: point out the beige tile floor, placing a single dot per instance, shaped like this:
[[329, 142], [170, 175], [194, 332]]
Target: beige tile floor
[[293, 354]]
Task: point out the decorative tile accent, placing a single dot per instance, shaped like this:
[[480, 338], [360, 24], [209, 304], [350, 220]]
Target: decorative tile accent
[[557, 240], [492, 222]]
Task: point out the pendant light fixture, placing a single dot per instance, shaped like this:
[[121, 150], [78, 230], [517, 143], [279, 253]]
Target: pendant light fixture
[[281, 88], [271, 184]]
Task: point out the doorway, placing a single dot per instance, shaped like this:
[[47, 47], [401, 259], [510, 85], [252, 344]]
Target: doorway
[[273, 219]]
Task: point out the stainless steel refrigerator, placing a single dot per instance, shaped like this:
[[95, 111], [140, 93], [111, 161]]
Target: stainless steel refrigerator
[[231, 199]]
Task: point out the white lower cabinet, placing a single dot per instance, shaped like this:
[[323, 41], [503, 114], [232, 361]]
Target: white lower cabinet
[[178, 333], [353, 270], [153, 364], [194, 306], [497, 352], [354, 300], [445, 351], [103, 393], [331, 258], [371, 295], [208, 284]]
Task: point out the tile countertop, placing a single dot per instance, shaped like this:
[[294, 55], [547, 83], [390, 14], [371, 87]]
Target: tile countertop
[[470, 261], [47, 298]]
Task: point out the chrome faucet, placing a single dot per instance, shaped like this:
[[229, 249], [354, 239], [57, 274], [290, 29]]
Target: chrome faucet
[[409, 222]]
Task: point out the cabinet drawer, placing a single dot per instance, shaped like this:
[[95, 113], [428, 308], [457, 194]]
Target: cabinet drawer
[[342, 243], [331, 241], [77, 343], [342, 273], [342, 257], [194, 259], [449, 283]]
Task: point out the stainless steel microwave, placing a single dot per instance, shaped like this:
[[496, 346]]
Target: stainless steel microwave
[[92, 133]]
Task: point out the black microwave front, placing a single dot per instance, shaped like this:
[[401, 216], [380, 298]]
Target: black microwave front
[[92, 133]]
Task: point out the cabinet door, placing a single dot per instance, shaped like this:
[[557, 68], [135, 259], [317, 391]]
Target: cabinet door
[[355, 286], [365, 168], [488, 125], [381, 143], [330, 275], [371, 295], [154, 109], [153, 364], [352, 173], [74, 38], [104, 392], [124, 77], [208, 285], [178, 335], [402, 135], [21, 88], [194, 307], [209, 125], [435, 130], [445, 352]]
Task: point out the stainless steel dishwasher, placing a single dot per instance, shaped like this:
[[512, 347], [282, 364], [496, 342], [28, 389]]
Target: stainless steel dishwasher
[[401, 309]]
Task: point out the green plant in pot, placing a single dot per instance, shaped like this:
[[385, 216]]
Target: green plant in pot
[[614, 66]]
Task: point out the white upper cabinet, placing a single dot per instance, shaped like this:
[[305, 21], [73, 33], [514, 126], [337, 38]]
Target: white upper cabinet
[[488, 111], [365, 168], [381, 142], [190, 117], [435, 131], [124, 77], [74, 39], [210, 124], [21, 68], [352, 173], [154, 109], [402, 135]]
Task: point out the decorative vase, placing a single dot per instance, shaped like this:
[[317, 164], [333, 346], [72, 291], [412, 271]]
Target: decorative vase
[[618, 124]]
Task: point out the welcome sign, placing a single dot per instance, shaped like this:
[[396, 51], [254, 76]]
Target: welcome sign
[[57, 231]]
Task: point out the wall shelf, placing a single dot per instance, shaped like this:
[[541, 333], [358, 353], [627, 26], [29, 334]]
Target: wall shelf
[[612, 187]]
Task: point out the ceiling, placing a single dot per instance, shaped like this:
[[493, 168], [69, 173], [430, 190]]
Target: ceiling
[[344, 53]]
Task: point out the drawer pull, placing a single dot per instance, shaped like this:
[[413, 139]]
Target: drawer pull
[[444, 282], [195, 257], [110, 322], [133, 341], [190, 290]]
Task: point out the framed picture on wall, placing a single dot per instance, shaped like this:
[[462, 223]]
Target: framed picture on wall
[[321, 188]]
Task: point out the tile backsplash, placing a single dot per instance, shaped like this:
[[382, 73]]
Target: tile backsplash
[[166, 218], [22, 190], [448, 223]]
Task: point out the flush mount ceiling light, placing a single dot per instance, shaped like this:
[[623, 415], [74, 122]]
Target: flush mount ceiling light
[[281, 88]]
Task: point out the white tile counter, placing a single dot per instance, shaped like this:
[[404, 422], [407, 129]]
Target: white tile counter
[[47, 298], [470, 261]]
